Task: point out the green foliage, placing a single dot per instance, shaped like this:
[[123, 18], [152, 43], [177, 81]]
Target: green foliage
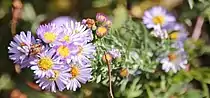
[[5, 82], [101, 3]]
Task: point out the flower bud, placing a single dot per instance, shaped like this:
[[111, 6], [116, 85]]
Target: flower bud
[[101, 31], [101, 17], [15, 93], [94, 27], [108, 23], [23, 96], [124, 72], [90, 22], [107, 58]]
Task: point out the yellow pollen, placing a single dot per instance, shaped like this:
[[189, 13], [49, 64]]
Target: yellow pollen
[[101, 31], [66, 38], [50, 36], [172, 56], [158, 20], [63, 51], [174, 35], [45, 63], [55, 77], [74, 71]]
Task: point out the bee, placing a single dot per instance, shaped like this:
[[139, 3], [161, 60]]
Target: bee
[[35, 49]]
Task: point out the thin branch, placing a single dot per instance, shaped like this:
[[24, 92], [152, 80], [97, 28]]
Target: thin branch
[[16, 13], [110, 76], [197, 31]]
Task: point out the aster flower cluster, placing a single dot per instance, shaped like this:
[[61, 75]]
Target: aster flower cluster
[[165, 27], [60, 56], [100, 25]]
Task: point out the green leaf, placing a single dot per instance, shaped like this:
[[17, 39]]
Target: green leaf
[[205, 90], [173, 89], [5, 82], [182, 76], [28, 13], [191, 3], [201, 74], [193, 94], [98, 79]]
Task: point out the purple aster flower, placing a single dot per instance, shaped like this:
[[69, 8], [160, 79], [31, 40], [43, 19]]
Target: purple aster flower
[[68, 36], [80, 74], [49, 33], [157, 16], [76, 33], [61, 20], [45, 63], [174, 61], [84, 53], [159, 32], [65, 51], [115, 53], [178, 44], [24, 48], [58, 80], [19, 48], [178, 32], [101, 17]]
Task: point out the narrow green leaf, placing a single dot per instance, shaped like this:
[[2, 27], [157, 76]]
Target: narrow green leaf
[[191, 3]]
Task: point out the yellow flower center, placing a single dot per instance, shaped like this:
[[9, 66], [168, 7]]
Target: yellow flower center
[[158, 20], [55, 77], [174, 35], [50, 36], [66, 38], [172, 56], [101, 31], [45, 63], [74, 71], [63, 51]]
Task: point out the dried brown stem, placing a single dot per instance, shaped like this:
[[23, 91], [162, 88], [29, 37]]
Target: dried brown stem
[[198, 26], [13, 28], [110, 76], [16, 13]]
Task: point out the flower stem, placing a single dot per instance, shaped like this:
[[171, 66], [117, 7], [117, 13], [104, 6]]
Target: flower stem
[[110, 76], [197, 31], [16, 14]]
